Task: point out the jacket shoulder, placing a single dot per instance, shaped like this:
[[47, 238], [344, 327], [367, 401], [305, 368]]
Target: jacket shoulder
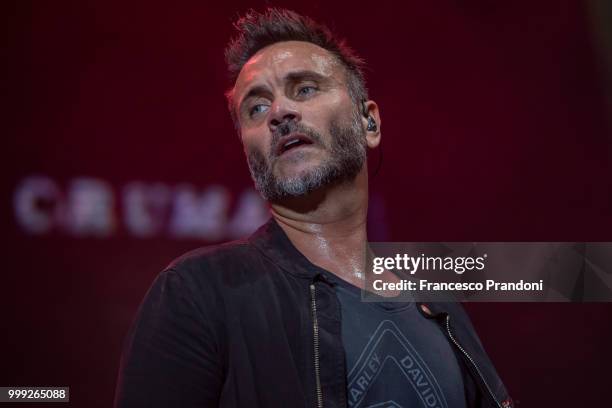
[[230, 261], [211, 253]]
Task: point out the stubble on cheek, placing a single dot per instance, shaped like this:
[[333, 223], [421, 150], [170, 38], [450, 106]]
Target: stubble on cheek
[[258, 165]]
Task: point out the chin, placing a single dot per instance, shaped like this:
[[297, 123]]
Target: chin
[[296, 170]]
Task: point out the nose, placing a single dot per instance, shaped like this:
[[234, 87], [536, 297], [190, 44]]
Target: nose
[[282, 111]]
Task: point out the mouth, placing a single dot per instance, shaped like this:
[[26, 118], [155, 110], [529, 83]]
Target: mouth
[[292, 141]]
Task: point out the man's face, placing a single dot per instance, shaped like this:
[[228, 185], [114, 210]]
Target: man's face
[[300, 128]]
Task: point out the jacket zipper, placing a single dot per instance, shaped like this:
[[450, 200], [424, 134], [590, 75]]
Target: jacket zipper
[[465, 353], [315, 329]]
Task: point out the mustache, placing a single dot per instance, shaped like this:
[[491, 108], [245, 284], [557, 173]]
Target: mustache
[[290, 127]]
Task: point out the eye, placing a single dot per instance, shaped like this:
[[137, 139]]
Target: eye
[[306, 90], [257, 109]]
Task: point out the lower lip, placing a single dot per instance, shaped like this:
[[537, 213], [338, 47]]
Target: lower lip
[[300, 147]]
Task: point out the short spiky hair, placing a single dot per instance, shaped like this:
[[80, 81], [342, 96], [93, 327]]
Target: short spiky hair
[[258, 30]]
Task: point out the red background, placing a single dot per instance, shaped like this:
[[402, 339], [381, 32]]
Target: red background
[[494, 129]]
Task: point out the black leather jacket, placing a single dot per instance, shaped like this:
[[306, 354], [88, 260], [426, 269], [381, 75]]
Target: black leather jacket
[[254, 324]]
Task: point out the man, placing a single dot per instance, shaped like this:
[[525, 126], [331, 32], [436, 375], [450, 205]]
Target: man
[[276, 320]]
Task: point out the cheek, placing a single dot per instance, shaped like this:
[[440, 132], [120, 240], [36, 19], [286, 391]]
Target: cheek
[[252, 140], [339, 112], [334, 107]]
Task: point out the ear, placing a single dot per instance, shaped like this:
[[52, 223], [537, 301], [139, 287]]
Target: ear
[[370, 108]]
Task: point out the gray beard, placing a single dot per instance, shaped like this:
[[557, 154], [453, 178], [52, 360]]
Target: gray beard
[[346, 159]]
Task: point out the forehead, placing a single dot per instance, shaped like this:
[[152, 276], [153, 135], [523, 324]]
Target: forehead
[[273, 62]]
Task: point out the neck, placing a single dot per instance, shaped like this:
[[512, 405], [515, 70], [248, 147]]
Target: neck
[[329, 226]]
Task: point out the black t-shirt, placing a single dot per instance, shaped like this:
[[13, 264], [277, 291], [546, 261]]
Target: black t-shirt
[[394, 356]]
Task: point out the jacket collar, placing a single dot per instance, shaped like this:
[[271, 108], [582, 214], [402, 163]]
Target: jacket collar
[[272, 241]]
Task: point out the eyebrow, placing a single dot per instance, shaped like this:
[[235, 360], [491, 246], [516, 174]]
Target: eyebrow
[[254, 91], [294, 76], [297, 76]]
